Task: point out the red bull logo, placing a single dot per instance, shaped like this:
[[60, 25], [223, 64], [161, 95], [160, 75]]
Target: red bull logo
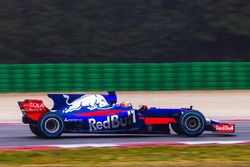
[[112, 122], [224, 128], [90, 101]]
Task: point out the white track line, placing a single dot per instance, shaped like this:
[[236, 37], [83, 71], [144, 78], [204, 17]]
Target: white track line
[[84, 145], [151, 144], [124, 145], [216, 142]]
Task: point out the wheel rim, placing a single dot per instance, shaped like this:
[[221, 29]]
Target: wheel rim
[[52, 125], [192, 123]]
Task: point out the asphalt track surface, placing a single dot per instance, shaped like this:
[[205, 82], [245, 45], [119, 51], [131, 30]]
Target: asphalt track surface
[[12, 135]]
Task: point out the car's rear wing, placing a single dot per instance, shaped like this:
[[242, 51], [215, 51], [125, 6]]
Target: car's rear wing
[[32, 109]]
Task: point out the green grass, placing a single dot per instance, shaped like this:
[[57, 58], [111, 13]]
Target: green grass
[[142, 157]]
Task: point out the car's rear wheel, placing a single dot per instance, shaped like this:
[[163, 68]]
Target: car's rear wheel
[[34, 130], [51, 125], [192, 123]]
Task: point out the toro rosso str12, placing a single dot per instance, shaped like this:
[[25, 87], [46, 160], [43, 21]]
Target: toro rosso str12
[[99, 113]]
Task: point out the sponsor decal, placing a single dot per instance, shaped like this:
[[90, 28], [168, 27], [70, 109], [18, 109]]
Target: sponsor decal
[[112, 122], [90, 101], [33, 106], [224, 128], [72, 120]]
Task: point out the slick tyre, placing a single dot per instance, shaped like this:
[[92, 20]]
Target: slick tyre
[[175, 127], [34, 130], [50, 126], [192, 123]]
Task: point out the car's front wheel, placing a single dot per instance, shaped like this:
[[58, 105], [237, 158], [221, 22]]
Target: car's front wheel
[[51, 125], [175, 127], [192, 123]]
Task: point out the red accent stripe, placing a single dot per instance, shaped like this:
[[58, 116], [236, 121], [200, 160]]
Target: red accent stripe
[[100, 113], [151, 121]]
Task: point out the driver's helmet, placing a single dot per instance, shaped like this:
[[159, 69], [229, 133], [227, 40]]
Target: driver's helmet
[[125, 104]]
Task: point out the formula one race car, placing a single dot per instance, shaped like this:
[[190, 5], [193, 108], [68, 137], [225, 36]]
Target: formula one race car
[[97, 113]]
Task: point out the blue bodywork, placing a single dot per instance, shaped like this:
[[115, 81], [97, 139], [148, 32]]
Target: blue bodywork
[[82, 113], [100, 113]]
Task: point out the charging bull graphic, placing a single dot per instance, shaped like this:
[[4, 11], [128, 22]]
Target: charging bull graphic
[[90, 101]]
